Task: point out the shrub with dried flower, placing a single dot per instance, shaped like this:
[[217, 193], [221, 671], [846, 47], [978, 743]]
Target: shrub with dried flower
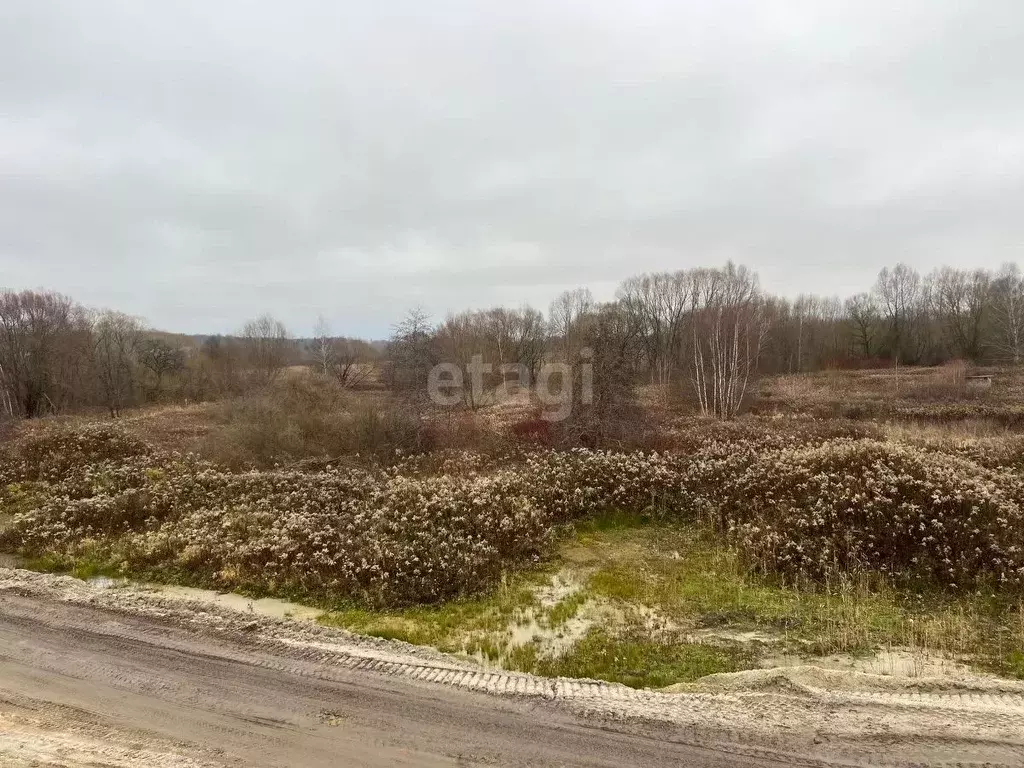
[[800, 499]]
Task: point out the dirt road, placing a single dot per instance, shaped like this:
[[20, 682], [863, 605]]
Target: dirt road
[[114, 677]]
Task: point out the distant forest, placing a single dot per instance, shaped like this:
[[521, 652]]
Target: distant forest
[[708, 331]]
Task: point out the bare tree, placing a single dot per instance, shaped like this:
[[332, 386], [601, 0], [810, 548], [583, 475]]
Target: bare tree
[[265, 342], [961, 299], [159, 358], [564, 317], [729, 329], [905, 304], [411, 354], [44, 350], [864, 318], [218, 367], [461, 339], [605, 412], [1008, 314], [659, 305], [116, 338], [6, 403], [514, 337], [529, 340], [345, 360], [353, 361], [814, 321]]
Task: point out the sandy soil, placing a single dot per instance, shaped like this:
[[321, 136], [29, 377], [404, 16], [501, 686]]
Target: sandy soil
[[127, 677]]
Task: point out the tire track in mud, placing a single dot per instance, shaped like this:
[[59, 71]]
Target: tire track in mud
[[604, 700], [802, 722]]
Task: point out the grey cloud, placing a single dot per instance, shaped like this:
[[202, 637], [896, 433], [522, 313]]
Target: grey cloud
[[197, 163]]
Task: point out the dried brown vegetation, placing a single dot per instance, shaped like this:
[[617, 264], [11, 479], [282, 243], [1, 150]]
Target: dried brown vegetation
[[800, 498]]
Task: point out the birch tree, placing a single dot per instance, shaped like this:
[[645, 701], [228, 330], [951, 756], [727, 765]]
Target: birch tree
[[1008, 314], [728, 328], [322, 348]]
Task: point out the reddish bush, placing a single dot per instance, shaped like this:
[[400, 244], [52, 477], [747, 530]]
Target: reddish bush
[[534, 430]]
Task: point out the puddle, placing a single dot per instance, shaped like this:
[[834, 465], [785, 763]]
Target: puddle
[[564, 584], [557, 640], [264, 606], [548, 642], [533, 626]]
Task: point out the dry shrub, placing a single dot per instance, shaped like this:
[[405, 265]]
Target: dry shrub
[[48, 454], [381, 536], [1005, 452], [465, 431], [6, 430], [798, 497], [954, 373], [801, 388], [866, 506], [533, 431], [939, 395], [307, 417], [826, 395], [823, 499], [693, 436], [1008, 416], [619, 424], [847, 362], [946, 383]]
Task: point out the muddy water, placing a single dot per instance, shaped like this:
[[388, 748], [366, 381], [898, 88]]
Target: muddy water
[[552, 640], [549, 641], [264, 606], [532, 626]]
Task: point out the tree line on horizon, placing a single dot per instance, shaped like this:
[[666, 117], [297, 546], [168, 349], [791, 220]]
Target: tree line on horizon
[[705, 333], [707, 330]]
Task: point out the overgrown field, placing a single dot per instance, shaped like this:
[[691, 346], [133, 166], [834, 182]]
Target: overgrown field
[[734, 543], [798, 499], [938, 396]]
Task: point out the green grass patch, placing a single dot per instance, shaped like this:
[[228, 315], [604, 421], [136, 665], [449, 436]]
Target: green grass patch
[[449, 626], [565, 609], [691, 577], [610, 521], [20, 497], [89, 565], [1010, 664], [523, 658], [639, 662]]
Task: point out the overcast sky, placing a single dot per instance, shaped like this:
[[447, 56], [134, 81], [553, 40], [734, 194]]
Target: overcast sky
[[197, 162]]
